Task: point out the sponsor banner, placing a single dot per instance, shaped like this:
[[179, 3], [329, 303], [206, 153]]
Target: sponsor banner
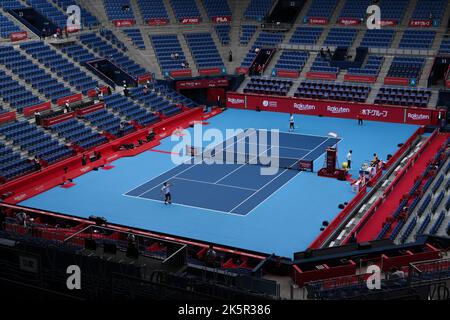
[[28, 111], [241, 70], [7, 116], [418, 116], [349, 21], [17, 36], [321, 75], [396, 81], [236, 101], [69, 99], [210, 71], [144, 78], [287, 73], [196, 20], [157, 22], [201, 83], [90, 109], [359, 78], [420, 23], [337, 109], [58, 119], [317, 21], [221, 19], [181, 73], [124, 23], [388, 22]]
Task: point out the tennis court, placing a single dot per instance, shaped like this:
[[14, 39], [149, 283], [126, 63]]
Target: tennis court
[[239, 187]]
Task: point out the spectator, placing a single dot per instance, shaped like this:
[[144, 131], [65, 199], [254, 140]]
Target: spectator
[[37, 164], [21, 218], [210, 256], [349, 159], [375, 161], [177, 56], [37, 117], [172, 56], [84, 160], [230, 56]]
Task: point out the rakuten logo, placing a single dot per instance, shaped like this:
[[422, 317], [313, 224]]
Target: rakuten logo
[[236, 101], [304, 107], [418, 116], [336, 110]]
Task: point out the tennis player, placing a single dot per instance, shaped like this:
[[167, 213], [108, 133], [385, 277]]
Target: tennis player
[[291, 123], [165, 190]]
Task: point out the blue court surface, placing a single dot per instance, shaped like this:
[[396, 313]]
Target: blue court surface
[[236, 188], [284, 220]]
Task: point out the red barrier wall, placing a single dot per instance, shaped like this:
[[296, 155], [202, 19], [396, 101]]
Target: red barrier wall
[[17, 36], [396, 81], [210, 71], [124, 23], [337, 109], [58, 119], [360, 78], [221, 19], [69, 99], [349, 21], [420, 23], [190, 20], [181, 73], [157, 22], [90, 109], [28, 111], [321, 75], [317, 21], [7, 116], [288, 74]]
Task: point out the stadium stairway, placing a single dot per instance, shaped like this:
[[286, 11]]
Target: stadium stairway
[[408, 14], [188, 54], [98, 9], [337, 11], [202, 10], [371, 229], [137, 12], [170, 12], [426, 218]]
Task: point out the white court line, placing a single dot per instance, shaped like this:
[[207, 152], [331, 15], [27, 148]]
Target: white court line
[[155, 177], [217, 184], [274, 179], [188, 206]]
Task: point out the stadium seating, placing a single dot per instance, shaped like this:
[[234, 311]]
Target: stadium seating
[[403, 96], [355, 9], [223, 32], [370, 68], [270, 86], [246, 33], [60, 66], [445, 46], [332, 91], [15, 94], [292, 60], [77, 133], [105, 121], [377, 38], [136, 37], [165, 46], [50, 12], [429, 9], [107, 51], [11, 4], [305, 35], [340, 37], [204, 50], [7, 27], [321, 9], [153, 9], [12, 164], [322, 64], [109, 36], [417, 39], [154, 102], [78, 53], [32, 74], [216, 8], [128, 109], [264, 40], [119, 9], [35, 141], [406, 67], [184, 9], [257, 9], [394, 10]]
